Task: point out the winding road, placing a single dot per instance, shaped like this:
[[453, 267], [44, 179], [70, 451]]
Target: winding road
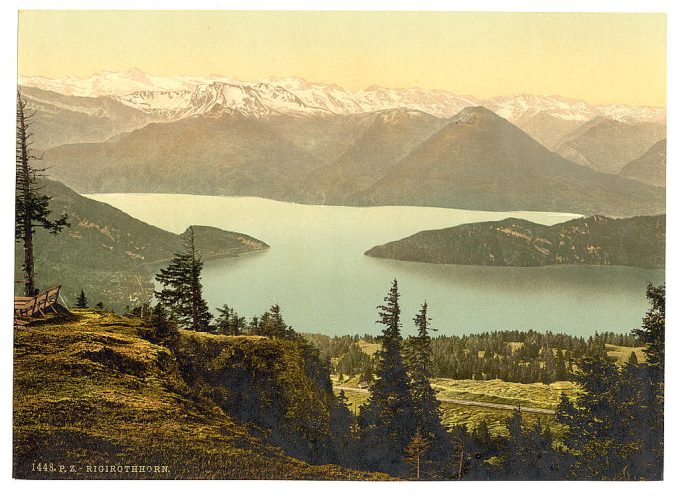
[[498, 406]]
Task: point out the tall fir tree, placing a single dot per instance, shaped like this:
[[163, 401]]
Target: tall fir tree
[[237, 324], [342, 426], [650, 377], [31, 206], [254, 326], [388, 420], [182, 291], [223, 320], [560, 367], [276, 327], [652, 332], [420, 369], [615, 427], [527, 454]]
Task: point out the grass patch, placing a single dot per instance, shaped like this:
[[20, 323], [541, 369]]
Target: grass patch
[[622, 353], [493, 391], [369, 348], [535, 395], [472, 416], [514, 345]]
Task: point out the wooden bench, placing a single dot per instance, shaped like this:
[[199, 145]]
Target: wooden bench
[[28, 306]]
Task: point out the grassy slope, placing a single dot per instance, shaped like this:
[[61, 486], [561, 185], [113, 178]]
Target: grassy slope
[[535, 395], [622, 353], [92, 392], [494, 391], [369, 348]]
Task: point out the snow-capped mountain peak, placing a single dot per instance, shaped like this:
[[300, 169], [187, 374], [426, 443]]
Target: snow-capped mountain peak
[[216, 97], [179, 97], [108, 83], [517, 107], [627, 113]]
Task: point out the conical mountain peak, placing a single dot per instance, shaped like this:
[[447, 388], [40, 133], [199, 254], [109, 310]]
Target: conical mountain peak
[[476, 114]]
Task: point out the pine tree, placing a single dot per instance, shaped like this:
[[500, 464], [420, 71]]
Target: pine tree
[[223, 320], [228, 322], [539, 459], [522, 450], [367, 373], [81, 302], [237, 324], [514, 424], [164, 330], [652, 332], [482, 434], [276, 326], [272, 325], [31, 207], [599, 425], [254, 326], [388, 420], [549, 368], [182, 290], [651, 377], [420, 369], [415, 451], [342, 423], [560, 368]]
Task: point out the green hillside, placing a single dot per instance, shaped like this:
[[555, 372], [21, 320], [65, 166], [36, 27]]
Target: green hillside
[[111, 255], [92, 392], [598, 240]]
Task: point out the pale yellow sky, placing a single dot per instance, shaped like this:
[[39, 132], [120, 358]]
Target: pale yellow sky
[[601, 58]]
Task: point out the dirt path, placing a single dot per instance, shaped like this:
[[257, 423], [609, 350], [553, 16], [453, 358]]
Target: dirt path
[[498, 406]]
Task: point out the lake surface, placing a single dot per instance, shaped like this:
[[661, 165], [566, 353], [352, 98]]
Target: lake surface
[[317, 271]]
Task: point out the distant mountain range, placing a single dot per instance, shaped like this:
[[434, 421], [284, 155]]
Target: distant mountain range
[[386, 137], [650, 168], [197, 94], [62, 119], [230, 155], [606, 145], [149, 98], [598, 240], [288, 139], [477, 160], [480, 161], [111, 255]]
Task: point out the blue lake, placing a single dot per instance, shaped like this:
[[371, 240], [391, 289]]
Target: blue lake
[[317, 271]]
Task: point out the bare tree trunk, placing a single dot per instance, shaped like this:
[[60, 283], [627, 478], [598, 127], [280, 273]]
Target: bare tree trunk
[[195, 295], [29, 288]]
